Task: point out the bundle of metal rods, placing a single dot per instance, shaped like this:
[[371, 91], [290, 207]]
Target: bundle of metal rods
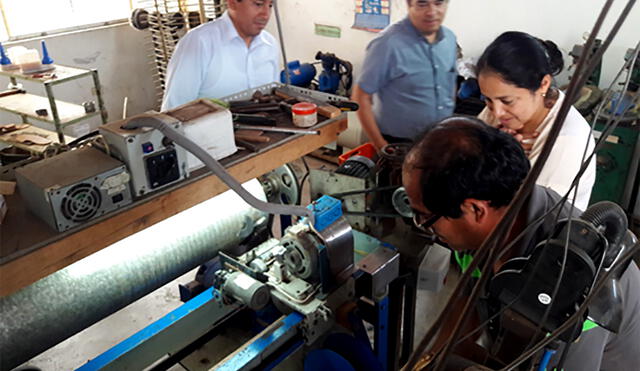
[[168, 20]]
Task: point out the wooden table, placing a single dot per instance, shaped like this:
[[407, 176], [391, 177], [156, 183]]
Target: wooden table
[[30, 250]]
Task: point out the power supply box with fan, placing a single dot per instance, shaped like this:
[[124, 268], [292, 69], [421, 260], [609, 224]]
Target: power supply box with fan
[[74, 187]]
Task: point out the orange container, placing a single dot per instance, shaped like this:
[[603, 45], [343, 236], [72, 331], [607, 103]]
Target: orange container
[[366, 150]]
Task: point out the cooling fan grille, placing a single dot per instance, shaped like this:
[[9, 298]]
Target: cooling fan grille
[[81, 202]]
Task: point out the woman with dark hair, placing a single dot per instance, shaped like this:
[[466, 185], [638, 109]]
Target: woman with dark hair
[[515, 74]]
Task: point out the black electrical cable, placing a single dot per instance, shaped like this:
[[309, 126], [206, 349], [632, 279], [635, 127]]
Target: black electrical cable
[[556, 287], [504, 225], [575, 184], [77, 141], [563, 200], [304, 178], [572, 92], [565, 352], [576, 327], [368, 190], [535, 224], [576, 316]]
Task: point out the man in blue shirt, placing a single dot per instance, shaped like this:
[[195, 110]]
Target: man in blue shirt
[[219, 58], [409, 75]]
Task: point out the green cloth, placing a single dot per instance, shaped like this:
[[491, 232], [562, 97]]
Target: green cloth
[[464, 261]]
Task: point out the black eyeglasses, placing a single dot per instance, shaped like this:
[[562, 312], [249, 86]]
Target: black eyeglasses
[[423, 221]]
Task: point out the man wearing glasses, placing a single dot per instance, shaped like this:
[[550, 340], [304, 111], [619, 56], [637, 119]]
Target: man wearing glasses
[[408, 75], [219, 58], [460, 177]]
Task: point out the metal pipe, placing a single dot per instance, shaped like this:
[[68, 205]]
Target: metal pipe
[[287, 77], [276, 129], [58, 306]]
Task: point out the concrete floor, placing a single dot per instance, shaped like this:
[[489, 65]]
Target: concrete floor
[[98, 338]]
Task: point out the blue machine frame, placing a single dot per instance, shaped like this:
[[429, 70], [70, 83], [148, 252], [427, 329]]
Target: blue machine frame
[[198, 316], [169, 334]]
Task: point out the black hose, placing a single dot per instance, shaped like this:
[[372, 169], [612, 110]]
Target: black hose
[[612, 217]]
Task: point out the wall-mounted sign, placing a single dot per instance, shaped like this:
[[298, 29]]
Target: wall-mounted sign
[[372, 15], [328, 31]]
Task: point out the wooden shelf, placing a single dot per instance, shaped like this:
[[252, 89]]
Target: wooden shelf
[[27, 104], [31, 250]]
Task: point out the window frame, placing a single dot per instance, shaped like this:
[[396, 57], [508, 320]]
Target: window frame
[[59, 31]]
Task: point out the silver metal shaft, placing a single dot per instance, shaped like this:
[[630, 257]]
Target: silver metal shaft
[[275, 129], [287, 77]]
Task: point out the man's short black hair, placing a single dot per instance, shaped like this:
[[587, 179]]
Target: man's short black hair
[[461, 158]]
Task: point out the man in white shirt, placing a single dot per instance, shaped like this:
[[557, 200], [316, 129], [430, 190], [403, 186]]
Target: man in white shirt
[[219, 58]]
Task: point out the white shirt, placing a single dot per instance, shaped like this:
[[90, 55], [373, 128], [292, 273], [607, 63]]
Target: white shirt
[[565, 158], [213, 61]]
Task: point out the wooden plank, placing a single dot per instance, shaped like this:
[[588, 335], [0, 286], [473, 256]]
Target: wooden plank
[[29, 268], [9, 138]]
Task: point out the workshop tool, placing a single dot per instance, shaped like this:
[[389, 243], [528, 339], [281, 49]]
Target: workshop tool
[[243, 144], [277, 129], [346, 105], [334, 70], [256, 98], [308, 273], [249, 132], [336, 76], [256, 107], [302, 74], [324, 108], [252, 138], [257, 119]]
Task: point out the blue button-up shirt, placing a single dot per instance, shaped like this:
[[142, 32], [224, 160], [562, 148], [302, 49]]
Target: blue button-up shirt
[[412, 81], [213, 61]]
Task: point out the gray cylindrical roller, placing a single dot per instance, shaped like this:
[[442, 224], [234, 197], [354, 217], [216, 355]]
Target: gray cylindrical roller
[[64, 303]]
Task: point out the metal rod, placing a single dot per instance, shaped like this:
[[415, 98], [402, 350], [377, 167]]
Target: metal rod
[[287, 78], [276, 130], [54, 112]]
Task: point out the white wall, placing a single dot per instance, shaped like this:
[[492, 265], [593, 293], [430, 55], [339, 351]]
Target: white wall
[[475, 22], [120, 55]]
